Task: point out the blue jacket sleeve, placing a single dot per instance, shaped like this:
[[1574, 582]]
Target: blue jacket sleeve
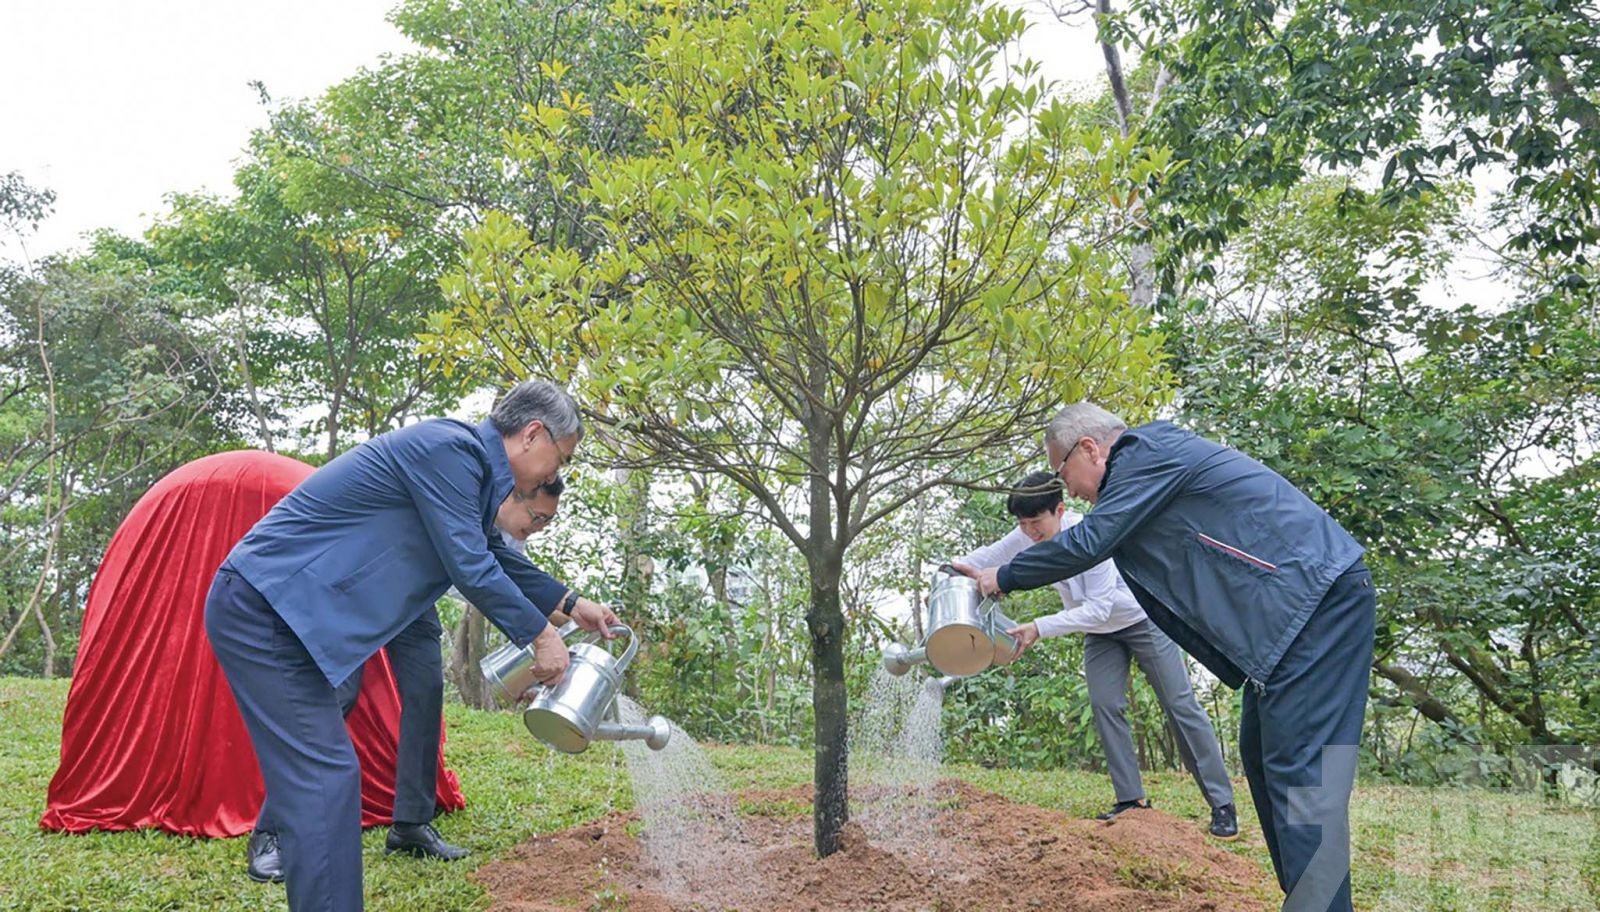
[[1141, 480], [544, 590], [444, 483]]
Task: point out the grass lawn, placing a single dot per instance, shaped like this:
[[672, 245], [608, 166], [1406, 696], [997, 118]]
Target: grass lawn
[[1415, 849]]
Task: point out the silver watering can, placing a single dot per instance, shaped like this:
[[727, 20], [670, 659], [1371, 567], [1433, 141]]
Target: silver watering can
[[965, 633], [1005, 645], [582, 708]]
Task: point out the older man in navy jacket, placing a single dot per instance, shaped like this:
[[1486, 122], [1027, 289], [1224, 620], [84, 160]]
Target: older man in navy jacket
[[1256, 582], [356, 554]]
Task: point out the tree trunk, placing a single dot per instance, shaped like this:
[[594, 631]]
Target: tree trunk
[[825, 561], [249, 378], [716, 557], [52, 466], [471, 644], [916, 573], [632, 528], [1113, 55], [333, 423], [769, 648], [828, 701], [1141, 259], [49, 641], [38, 604]]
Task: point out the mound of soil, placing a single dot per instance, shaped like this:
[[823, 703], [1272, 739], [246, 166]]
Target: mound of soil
[[990, 854]]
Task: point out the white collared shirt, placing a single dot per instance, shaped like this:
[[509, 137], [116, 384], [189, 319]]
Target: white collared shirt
[[1095, 601]]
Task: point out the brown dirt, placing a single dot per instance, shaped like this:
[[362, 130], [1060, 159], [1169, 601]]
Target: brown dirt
[[991, 854]]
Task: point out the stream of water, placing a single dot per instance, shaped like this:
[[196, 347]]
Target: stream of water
[[689, 819], [896, 747]]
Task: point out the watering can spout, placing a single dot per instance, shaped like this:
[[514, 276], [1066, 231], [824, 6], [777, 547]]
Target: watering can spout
[[897, 659], [655, 732]]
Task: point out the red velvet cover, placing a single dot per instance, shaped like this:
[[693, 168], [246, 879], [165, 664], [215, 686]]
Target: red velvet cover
[[151, 736]]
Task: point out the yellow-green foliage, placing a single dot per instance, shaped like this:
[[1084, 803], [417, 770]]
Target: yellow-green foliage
[[864, 201]]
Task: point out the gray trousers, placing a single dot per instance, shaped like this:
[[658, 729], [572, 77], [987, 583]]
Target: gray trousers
[[1105, 664]]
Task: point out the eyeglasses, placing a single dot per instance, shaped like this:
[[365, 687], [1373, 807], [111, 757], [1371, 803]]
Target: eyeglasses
[[564, 457], [534, 516], [1063, 463]]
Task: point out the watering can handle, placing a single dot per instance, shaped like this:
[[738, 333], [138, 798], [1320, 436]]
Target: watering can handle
[[571, 627], [633, 645], [999, 616]]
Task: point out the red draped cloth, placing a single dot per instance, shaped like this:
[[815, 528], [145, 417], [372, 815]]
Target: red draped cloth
[[152, 737]]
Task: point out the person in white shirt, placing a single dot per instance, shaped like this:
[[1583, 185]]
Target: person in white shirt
[[1116, 632], [519, 517]]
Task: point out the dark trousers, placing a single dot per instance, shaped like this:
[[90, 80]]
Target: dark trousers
[[346, 695], [1299, 737], [292, 715], [419, 676]]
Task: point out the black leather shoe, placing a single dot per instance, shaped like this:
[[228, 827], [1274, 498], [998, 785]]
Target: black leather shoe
[[422, 841], [1121, 806], [266, 862], [1224, 823]]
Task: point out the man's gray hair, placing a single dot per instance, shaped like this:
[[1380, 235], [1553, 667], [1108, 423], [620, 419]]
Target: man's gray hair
[[541, 401], [1080, 420]]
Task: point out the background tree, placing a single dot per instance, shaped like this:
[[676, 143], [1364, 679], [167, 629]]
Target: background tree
[[1264, 94], [106, 383], [1452, 440], [346, 280], [1321, 200], [427, 131], [1130, 97]]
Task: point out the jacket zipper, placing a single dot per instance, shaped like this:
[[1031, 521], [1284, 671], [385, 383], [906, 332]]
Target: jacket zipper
[[1241, 554]]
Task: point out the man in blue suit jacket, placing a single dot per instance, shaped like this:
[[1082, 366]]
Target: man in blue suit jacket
[[358, 553], [419, 676], [1256, 582]]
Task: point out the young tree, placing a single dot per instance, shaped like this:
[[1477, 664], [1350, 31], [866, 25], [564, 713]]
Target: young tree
[[864, 243]]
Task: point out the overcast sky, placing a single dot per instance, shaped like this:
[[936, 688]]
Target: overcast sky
[[114, 104]]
